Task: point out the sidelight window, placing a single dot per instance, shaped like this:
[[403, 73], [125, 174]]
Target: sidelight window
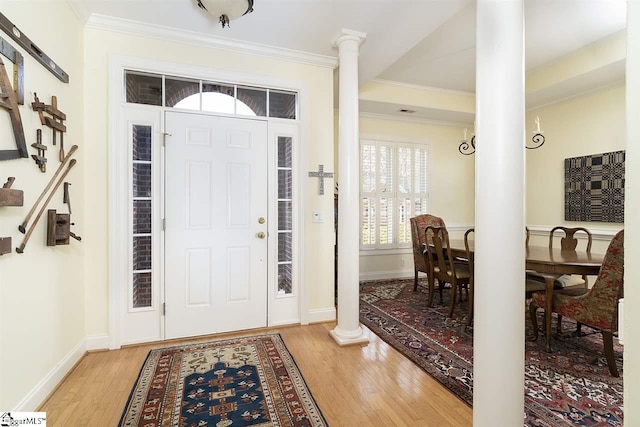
[[285, 215], [142, 215]]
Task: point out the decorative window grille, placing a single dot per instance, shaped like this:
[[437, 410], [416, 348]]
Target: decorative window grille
[[394, 188], [142, 216], [194, 94], [285, 215]]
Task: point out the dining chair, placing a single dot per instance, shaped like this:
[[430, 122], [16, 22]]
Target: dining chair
[[532, 283], [420, 259], [533, 280], [530, 274], [596, 307], [470, 266], [444, 267], [569, 242]]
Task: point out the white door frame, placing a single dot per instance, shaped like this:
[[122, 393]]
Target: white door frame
[[118, 180]]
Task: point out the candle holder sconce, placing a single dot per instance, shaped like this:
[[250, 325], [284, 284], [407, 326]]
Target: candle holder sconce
[[537, 138], [467, 148]]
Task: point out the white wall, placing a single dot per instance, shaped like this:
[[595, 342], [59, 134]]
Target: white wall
[[317, 130], [590, 124], [42, 317]]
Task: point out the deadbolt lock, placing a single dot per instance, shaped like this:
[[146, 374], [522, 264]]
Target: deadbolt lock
[[261, 220], [261, 235]]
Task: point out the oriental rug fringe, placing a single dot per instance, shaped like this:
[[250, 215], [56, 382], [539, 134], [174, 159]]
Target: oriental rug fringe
[[569, 387], [244, 381]]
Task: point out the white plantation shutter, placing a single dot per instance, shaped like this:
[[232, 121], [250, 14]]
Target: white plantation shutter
[[405, 178], [394, 188], [368, 188], [420, 193], [385, 195]]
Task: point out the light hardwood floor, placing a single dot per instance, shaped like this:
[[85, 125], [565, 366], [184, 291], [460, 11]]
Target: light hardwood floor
[[369, 385]]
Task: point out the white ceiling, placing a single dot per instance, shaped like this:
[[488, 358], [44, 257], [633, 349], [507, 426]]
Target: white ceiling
[[420, 42]]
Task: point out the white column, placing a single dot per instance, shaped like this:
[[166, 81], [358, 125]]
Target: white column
[[348, 330], [498, 342], [631, 322]]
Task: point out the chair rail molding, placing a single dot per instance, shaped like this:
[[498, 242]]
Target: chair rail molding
[[604, 234]]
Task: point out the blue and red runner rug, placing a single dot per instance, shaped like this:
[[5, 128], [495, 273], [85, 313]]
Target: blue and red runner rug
[[569, 387], [244, 381]]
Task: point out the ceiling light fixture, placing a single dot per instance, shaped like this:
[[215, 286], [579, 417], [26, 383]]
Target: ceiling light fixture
[[226, 10]]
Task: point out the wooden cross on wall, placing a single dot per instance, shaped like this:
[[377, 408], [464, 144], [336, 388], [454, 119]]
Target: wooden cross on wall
[[321, 175]]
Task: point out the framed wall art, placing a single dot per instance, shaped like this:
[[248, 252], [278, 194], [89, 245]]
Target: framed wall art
[[594, 188]]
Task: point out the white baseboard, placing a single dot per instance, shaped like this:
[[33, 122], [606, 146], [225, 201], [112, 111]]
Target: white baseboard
[[285, 323], [322, 315], [44, 388], [98, 342], [393, 274]]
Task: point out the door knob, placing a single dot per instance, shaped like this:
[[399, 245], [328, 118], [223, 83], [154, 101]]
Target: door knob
[[261, 235], [261, 220]]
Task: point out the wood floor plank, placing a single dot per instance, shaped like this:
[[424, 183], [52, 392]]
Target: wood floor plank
[[370, 385]]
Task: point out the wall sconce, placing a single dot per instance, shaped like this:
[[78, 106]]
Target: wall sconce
[[537, 138], [226, 10], [469, 147]]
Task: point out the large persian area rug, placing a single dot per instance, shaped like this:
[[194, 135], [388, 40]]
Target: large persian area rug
[[570, 386], [245, 381]]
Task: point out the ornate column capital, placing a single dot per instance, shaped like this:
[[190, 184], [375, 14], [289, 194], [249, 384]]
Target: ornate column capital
[[348, 35]]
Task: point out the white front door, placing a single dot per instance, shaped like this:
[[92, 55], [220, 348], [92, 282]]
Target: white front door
[[215, 210]]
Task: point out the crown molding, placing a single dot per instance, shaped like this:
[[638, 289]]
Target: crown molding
[[389, 117], [427, 88], [80, 9], [126, 26], [589, 91]]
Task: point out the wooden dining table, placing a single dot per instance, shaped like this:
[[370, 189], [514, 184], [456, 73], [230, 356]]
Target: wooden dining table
[[550, 264]]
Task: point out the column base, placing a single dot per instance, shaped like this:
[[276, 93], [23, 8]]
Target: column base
[[344, 338]]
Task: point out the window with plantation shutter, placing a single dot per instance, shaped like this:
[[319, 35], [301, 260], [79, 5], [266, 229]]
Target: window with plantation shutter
[[393, 188]]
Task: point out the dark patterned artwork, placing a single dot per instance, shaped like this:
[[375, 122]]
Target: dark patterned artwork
[[594, 188]]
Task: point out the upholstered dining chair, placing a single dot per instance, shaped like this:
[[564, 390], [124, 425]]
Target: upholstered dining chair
[[596, 307], [420, 260], [444, 267], [568, 242]]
